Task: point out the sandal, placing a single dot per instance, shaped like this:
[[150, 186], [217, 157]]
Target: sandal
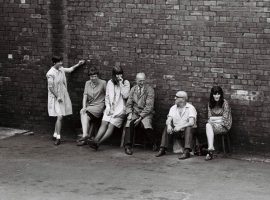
[[209, 155]]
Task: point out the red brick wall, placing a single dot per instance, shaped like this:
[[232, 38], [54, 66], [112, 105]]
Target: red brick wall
[[181, 44]]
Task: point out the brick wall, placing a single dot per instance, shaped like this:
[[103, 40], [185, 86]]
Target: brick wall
[[181, 44]]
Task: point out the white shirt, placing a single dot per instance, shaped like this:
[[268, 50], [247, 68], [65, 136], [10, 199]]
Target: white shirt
[[188, 112]]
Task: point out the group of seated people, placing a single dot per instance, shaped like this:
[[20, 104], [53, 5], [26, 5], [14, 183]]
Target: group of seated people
[[118, 105]]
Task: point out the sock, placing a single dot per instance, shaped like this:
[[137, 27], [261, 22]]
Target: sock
[[58, 137], [54, 134]]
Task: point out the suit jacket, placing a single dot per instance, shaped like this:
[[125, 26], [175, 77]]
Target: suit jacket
[[141, 105]]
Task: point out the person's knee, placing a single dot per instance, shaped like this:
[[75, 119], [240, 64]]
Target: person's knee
[[208, 125], [60, 118]]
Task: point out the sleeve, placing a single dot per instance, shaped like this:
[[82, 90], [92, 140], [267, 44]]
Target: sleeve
[[51, 85], [130, 102], [192, 112], [170, 116], [124, 89], [170, 112], [50, 79], [227, 117], [85, 88], [149, 106]]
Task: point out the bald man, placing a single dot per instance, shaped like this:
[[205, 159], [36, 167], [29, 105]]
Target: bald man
[[140, 111], [181, 122]]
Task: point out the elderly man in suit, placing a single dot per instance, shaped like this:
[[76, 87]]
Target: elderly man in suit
[[181, 121], [140, 111]]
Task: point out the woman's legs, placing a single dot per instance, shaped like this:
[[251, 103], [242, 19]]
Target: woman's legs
[[85, 120], [58, 126], [101, 131], [55, 132], [107, 134], [210, 136]]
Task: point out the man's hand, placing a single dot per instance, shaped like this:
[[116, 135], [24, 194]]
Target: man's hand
[[137, 121], [169, 129], [178, 128]]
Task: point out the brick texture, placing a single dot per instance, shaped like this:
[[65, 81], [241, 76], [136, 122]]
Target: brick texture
[[186, 45]]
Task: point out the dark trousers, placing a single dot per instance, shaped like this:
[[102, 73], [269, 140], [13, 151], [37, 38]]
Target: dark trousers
[[187, 135], [131, 130]]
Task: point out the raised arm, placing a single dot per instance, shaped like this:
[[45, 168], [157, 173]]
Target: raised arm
[[71, 69]]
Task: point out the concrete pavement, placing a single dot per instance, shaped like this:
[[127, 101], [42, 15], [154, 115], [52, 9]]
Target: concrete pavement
[[32, 168]]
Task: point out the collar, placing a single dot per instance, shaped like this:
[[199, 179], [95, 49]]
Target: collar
[[93, 85]]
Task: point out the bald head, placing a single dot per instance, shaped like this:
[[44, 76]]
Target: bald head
[[140, 78], [182, 94], [140, 75]]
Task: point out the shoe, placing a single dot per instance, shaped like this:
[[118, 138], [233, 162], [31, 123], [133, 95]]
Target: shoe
[[82, 139], [155, 147], [128, 151], [209, 155], [185, 155], [57, 142], [92, 144], [81, 143], [161, 152], [53, 138]]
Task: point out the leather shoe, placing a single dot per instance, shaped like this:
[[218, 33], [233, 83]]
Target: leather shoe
[[185, 155], [128, 151], [161, 152], [81, 143], [82, 139], [57, 142]]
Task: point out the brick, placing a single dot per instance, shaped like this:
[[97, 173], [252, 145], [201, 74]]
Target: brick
[[185, 44]]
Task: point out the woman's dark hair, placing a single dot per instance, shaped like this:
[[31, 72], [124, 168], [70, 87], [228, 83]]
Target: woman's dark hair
[[212, 102], [93, 71], [116, 71], [56, 59]]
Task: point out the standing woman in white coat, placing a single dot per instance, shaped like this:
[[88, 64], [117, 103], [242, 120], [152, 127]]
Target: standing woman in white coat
[[59, 104], [117, 92]]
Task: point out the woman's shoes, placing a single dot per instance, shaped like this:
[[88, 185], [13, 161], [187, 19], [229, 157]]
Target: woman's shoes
[[57, 142], [82, 143], [209, 155], [92, 144], [161, 152]]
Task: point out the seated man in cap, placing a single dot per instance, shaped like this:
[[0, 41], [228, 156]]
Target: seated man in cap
[[181, 122], [140, 111]]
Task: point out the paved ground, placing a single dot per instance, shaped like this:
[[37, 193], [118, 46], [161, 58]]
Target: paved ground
[[32, 168]]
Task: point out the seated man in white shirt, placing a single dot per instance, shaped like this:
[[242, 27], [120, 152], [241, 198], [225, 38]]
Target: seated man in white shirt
[[181, 121]]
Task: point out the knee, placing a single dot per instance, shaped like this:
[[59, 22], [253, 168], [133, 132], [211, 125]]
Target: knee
[[208, 126], [60, 118]]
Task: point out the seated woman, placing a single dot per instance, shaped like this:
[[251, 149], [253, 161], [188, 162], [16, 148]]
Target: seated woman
[[93, 103], [219, 118], [117, 92]]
